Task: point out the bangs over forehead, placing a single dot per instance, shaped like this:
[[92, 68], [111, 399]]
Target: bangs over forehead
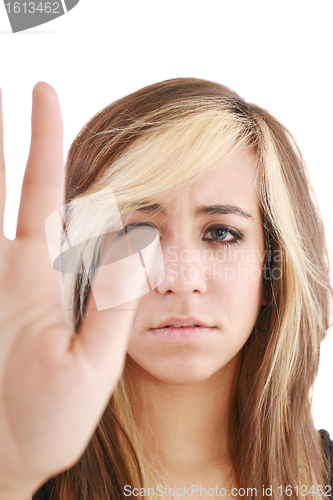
[[184, 140]]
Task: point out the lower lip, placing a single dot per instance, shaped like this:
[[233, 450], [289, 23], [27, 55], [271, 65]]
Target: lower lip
[[181, 335]]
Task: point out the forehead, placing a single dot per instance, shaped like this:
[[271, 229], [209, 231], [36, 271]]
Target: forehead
[[231, 182], [235, 174]]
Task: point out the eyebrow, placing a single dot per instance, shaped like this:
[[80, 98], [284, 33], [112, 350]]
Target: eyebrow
[[202, 210]]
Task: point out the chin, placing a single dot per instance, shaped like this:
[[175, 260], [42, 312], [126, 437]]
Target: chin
[[182, 365], [190, 372], [185, 379]]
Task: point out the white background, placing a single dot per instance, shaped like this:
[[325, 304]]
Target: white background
[[275, 54]]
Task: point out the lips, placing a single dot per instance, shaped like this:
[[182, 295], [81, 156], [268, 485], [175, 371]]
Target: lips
[[175, 326], [181, 322]]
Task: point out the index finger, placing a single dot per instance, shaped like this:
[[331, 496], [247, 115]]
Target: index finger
[[42, 190]]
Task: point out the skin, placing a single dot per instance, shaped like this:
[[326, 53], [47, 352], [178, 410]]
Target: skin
[[187, 388]]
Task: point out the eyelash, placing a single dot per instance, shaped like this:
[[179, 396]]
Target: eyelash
[[233, 232]]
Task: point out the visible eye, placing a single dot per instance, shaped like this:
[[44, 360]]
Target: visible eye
[[223, 235]]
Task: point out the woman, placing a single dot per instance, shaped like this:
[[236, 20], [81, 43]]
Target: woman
[[199, 385]]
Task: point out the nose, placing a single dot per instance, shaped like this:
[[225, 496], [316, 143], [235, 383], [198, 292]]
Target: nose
[[185, 269]]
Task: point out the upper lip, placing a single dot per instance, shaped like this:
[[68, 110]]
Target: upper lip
[[189, 321]]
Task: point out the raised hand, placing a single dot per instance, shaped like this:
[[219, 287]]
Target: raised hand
[[54, 384]]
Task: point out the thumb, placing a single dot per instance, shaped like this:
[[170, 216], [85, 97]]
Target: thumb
[[116, 288]]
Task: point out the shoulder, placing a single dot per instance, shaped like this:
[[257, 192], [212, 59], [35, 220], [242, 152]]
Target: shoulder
[[44, 492], [328, 447], [327, 443]]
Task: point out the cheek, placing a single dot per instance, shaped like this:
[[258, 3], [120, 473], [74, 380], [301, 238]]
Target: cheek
[[240, 289]]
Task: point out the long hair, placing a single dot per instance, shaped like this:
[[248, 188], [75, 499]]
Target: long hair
[[142, 145]]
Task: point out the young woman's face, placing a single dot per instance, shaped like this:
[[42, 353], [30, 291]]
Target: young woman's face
[[213, 273]]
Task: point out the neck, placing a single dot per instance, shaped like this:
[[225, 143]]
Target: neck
[[186, 427]]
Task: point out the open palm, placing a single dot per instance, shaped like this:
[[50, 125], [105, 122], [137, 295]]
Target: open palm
[[54, 384]]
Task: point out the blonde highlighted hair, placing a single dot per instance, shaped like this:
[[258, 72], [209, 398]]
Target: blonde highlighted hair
[[142, 146]]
